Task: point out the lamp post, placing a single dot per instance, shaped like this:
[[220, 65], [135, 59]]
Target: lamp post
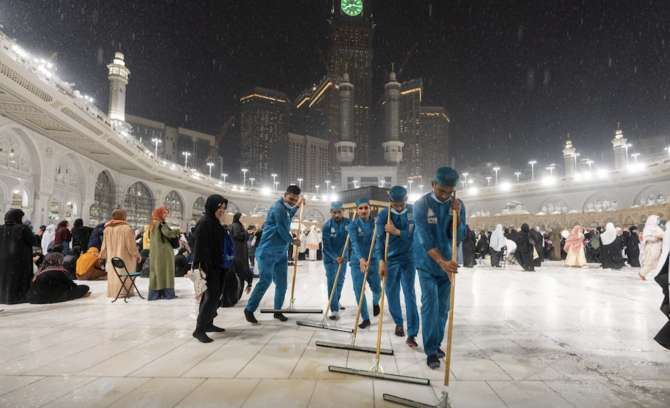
[[224, 175], [156, 141], [421, 188], [488, 181], [300, 183], [532, 170], [274, 180], [210, 164], [327, 186], [551, 170], [252, 182], [317, 190], [410, 186], [466, 177], [635, 156], [517, 174], [186, 154], [463, 184], [244, 182], [589, 162], [627, 146], [496, 170], [333, 187]]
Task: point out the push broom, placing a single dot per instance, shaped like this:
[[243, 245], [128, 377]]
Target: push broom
[[352, 342], [444, 401], [376, 371], [323, 324], [291, 308]]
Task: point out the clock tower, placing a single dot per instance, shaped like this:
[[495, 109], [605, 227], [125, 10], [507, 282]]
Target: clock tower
[[351, 34]]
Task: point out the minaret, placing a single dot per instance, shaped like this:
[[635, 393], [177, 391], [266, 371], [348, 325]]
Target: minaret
[[620, 149], [118, 79], [393, 146], [346, 147], [570, 159]]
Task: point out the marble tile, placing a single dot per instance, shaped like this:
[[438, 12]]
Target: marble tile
[[580, 394], [159, 393], [39, 393], [87, 396], [530, 394], [215, 393], [9, 383], [342, 393], [281, 393]]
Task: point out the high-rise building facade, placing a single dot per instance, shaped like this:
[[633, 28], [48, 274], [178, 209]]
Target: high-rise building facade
[[433, 141], [410, 116], [264, 121], [351, 35], [307, 160]]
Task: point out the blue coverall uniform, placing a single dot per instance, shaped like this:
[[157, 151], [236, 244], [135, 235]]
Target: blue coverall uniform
[[360, 236], [432, 221], [271, 255], [334, 238], [400, 266]]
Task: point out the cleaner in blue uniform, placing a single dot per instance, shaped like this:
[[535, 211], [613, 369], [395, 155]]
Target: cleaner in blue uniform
[[333, 239]]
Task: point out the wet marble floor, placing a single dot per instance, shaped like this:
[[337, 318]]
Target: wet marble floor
[[555, 338]]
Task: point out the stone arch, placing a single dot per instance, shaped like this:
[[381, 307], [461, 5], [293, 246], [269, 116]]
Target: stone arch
[[574, 223], [19, 197], [630, 221], [259, 211], [138, 202], [232, 208], [56, 208], [104, 198], [554, 205], [77, 172], [29, 150], [198, 211], [315, 216], [652, 195], [613, 221], [601, 201], [514, 207], [174, 202], [478, 211]]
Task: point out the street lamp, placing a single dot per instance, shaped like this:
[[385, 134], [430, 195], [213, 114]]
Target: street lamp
[[327, 186], [551, 170], [635, 156], [421, 187], [488, 181], [244, 181], [410, 185], [496, 170], [590, 162], [333, 187], [157, 141], [317, 190], [274, 180], [186, 154], [463, 184], [517, 174], [532, 170], [466, 177], [300, 181], [224, 175], [210, 164]]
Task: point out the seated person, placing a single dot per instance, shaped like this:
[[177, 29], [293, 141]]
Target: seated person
[[181, 265], [70, 262], [89, 267], [52, 284]]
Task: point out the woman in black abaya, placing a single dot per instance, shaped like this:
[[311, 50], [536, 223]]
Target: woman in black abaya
[[16, 258], [524, 249], [539, 247], [633, 247], [469, 248], [610, 250]]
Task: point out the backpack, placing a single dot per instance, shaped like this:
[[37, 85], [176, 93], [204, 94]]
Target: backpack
[[233, 286], [595, 242], [228, 251], [174, 242]]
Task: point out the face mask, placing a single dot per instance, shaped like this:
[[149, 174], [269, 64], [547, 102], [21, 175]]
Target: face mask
[[398, 213], [437, 200], [658, 222], [287, 205]]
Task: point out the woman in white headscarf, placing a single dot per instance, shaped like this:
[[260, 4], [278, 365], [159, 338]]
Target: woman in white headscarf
[[653, 244], [48, 238], [313, 243], [610, 252], [496, 245], [303, 245]]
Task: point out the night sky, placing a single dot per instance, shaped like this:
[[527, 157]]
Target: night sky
[[516, 78]]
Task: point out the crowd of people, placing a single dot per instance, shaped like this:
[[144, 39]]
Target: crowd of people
[[43, 266], [611, 247]]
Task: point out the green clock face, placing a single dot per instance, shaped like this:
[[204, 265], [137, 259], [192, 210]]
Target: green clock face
[[352, 7]]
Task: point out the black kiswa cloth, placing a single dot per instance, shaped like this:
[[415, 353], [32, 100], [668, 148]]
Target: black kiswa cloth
[[663, 336]]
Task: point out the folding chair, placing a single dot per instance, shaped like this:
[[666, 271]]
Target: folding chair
[[124, 277]]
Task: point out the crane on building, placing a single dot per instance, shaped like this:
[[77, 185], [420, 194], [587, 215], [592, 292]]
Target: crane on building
[[404, 62], [215, 146]]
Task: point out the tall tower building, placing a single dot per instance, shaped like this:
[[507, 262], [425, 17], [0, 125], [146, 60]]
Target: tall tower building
[[434, 141], [393, 145], [351, 34], [346, 147], [410, 115], [570, 159], [118, 79], [264, 120], [620, 146]]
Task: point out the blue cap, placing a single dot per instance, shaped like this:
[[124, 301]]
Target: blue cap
[[446, 176], [362, 201], [398, 194], [336, 205]]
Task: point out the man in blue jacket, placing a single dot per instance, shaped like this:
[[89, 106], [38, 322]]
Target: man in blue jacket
[[271, 253], [361, 231], [433, 217], [334, 238], [400, 270]]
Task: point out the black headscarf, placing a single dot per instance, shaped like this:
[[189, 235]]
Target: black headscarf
[[13, 217], [208, 247], [78, 223], [236, 218]]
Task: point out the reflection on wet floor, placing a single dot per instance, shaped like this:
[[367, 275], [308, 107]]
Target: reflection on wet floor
[[557, 337]]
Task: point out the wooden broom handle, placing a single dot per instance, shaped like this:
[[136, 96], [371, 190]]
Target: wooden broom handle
[[297, 250], [454, 255]]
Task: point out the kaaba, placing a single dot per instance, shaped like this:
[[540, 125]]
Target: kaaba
[[379, 199]]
